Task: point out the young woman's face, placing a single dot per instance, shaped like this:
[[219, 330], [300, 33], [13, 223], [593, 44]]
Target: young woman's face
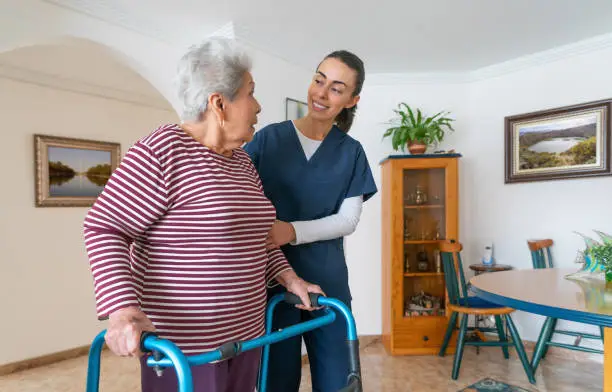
[[241, 113], [331, 89]]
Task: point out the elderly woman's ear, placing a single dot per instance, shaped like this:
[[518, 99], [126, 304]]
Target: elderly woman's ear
[[216, 105]]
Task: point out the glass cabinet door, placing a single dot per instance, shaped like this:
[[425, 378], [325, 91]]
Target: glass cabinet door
[[424, 226]]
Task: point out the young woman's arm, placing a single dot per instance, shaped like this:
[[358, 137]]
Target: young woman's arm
[[333, 226]]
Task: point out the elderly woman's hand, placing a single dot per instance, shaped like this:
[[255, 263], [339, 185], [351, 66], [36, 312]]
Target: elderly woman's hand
[[298, 286], [280, 234], [124, 330]]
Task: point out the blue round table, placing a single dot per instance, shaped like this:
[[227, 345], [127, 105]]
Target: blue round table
[[550, 293]]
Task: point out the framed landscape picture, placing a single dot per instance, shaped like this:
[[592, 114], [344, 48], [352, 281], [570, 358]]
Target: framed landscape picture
[[72, 172], [560, 143], [295, 109]]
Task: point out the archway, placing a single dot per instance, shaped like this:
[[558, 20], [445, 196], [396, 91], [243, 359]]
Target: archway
[[123, 57], [66, 87]]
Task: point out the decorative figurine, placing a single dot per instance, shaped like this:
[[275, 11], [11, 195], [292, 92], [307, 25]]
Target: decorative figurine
[[592, 266], [421, 197], [423, 262], [407, 233], [438, 260], [423, 304]]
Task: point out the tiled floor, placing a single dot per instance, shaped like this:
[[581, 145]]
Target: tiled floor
[[381, 373]]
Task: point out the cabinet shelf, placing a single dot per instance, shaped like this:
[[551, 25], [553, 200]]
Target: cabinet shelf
[[423, 206], [419, 274], [439, 317], [421, 242]]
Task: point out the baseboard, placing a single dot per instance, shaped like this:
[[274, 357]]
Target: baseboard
[[44, 360], [364, 341]]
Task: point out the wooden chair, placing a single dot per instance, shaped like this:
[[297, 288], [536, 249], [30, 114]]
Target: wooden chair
[[460, 303], [541, 257]]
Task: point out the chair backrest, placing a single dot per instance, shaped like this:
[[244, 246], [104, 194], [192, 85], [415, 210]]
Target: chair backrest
[[540, 253], [450, 252]]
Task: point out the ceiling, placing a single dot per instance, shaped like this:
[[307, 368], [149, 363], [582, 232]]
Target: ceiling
[[392, 36], [79, 65]]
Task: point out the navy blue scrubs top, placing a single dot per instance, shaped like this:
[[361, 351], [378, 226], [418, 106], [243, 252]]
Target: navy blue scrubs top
[[303, 189]]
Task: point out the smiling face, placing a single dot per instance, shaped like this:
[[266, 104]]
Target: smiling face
[[331, 90], [240, 115]]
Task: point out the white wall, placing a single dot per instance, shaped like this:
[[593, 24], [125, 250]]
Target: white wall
[[511, 214], [275, 80], [508, 215]]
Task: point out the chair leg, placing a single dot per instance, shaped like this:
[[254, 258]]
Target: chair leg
[[449, 332], [539, 350], [520, 349], [550, 336], [460, 345], [502, 335]]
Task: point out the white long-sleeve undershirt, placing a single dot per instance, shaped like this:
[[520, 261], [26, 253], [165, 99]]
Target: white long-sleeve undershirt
[[333, 226]]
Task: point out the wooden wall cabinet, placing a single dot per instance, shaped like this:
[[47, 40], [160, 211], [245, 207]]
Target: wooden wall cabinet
[[419, 210]]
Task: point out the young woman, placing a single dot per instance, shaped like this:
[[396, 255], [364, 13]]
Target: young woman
[[317, 177]]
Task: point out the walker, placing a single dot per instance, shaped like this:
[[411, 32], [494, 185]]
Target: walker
[[167, 354]]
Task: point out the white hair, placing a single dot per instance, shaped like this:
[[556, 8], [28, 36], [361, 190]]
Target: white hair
[[216, 65]]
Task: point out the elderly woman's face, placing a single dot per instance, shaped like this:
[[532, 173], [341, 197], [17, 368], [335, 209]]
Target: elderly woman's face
[[241, 113]]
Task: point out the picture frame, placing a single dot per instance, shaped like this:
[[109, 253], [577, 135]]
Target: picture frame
[[295, 109], [561, 143], [72, 172]]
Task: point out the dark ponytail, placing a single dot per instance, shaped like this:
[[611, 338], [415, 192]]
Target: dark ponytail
[[344, 119]]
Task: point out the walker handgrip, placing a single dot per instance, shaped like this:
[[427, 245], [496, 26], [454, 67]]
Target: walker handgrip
[[143, 336], [230, 350], [293, 299]]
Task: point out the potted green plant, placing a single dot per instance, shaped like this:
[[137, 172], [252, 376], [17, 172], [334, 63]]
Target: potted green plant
[[417, 132]]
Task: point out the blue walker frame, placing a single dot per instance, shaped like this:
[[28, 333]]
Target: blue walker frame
[[167, 354]]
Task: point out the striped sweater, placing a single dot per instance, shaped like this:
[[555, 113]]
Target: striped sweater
[[180, 231]]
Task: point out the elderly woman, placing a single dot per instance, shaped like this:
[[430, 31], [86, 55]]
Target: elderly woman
[[177, 239]]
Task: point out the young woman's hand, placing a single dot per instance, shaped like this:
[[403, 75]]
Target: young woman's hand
[[280, 234], [124, 329]]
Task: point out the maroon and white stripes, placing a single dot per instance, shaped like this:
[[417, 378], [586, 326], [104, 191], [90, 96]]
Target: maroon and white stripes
[[180, 231]]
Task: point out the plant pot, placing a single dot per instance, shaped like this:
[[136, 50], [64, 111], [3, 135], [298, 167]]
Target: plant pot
[[417, 147]]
